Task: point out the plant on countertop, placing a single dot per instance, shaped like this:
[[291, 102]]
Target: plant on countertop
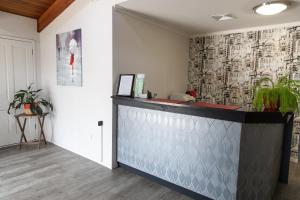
[[284, 96], [30, 100]]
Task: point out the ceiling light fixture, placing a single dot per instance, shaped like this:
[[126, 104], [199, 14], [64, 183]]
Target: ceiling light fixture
[[223, 17], [271, 7]]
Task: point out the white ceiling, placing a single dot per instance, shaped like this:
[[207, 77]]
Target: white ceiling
[[194, 16]]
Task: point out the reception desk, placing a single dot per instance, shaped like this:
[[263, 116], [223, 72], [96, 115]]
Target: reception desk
[[204, 152]]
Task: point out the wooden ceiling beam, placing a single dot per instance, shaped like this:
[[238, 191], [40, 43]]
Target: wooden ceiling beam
[[28, 8], [52, 12]]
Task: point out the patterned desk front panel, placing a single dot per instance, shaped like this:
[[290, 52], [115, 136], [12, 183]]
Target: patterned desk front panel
[[199, 154]]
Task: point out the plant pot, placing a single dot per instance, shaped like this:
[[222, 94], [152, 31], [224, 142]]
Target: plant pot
[[27, 109], [274, 107]]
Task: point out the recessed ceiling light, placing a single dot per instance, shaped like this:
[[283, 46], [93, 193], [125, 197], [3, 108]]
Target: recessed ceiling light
[[271, 7]]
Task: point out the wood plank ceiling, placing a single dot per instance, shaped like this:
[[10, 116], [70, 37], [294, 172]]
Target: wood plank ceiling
[[36, 9]]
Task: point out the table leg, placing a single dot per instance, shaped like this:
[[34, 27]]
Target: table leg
[[42, 133], [22, 128]]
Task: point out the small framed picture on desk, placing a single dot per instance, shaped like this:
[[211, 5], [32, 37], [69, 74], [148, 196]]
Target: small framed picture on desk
[[125, 87]]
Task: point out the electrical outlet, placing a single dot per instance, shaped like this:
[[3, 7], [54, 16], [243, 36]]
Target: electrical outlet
[[100, 123]]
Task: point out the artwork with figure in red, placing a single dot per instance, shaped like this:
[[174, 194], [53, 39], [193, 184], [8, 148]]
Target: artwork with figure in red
[[69, 58]]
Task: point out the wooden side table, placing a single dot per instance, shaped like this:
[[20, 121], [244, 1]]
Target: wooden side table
[[41, 120]]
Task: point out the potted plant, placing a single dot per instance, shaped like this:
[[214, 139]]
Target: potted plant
[[30, 101], [282, 96]]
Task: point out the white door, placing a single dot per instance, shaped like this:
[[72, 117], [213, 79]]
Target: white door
[[17, 70]]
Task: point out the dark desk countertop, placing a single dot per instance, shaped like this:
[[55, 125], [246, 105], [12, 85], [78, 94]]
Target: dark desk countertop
[[214, 113]]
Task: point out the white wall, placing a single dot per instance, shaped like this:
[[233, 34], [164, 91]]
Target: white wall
[[141, 46], [77, 109], [18, 26], [22, 28]]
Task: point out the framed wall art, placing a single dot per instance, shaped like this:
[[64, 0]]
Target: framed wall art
[[69, 58]]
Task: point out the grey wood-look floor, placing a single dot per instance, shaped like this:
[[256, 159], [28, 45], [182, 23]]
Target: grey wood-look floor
[[53, 173]]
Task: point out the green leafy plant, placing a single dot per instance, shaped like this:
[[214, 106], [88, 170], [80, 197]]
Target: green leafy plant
[[29, 96], [284, 96]]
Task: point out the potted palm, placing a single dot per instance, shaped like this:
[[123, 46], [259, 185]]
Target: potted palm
[[30, 101], [282, 96]]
